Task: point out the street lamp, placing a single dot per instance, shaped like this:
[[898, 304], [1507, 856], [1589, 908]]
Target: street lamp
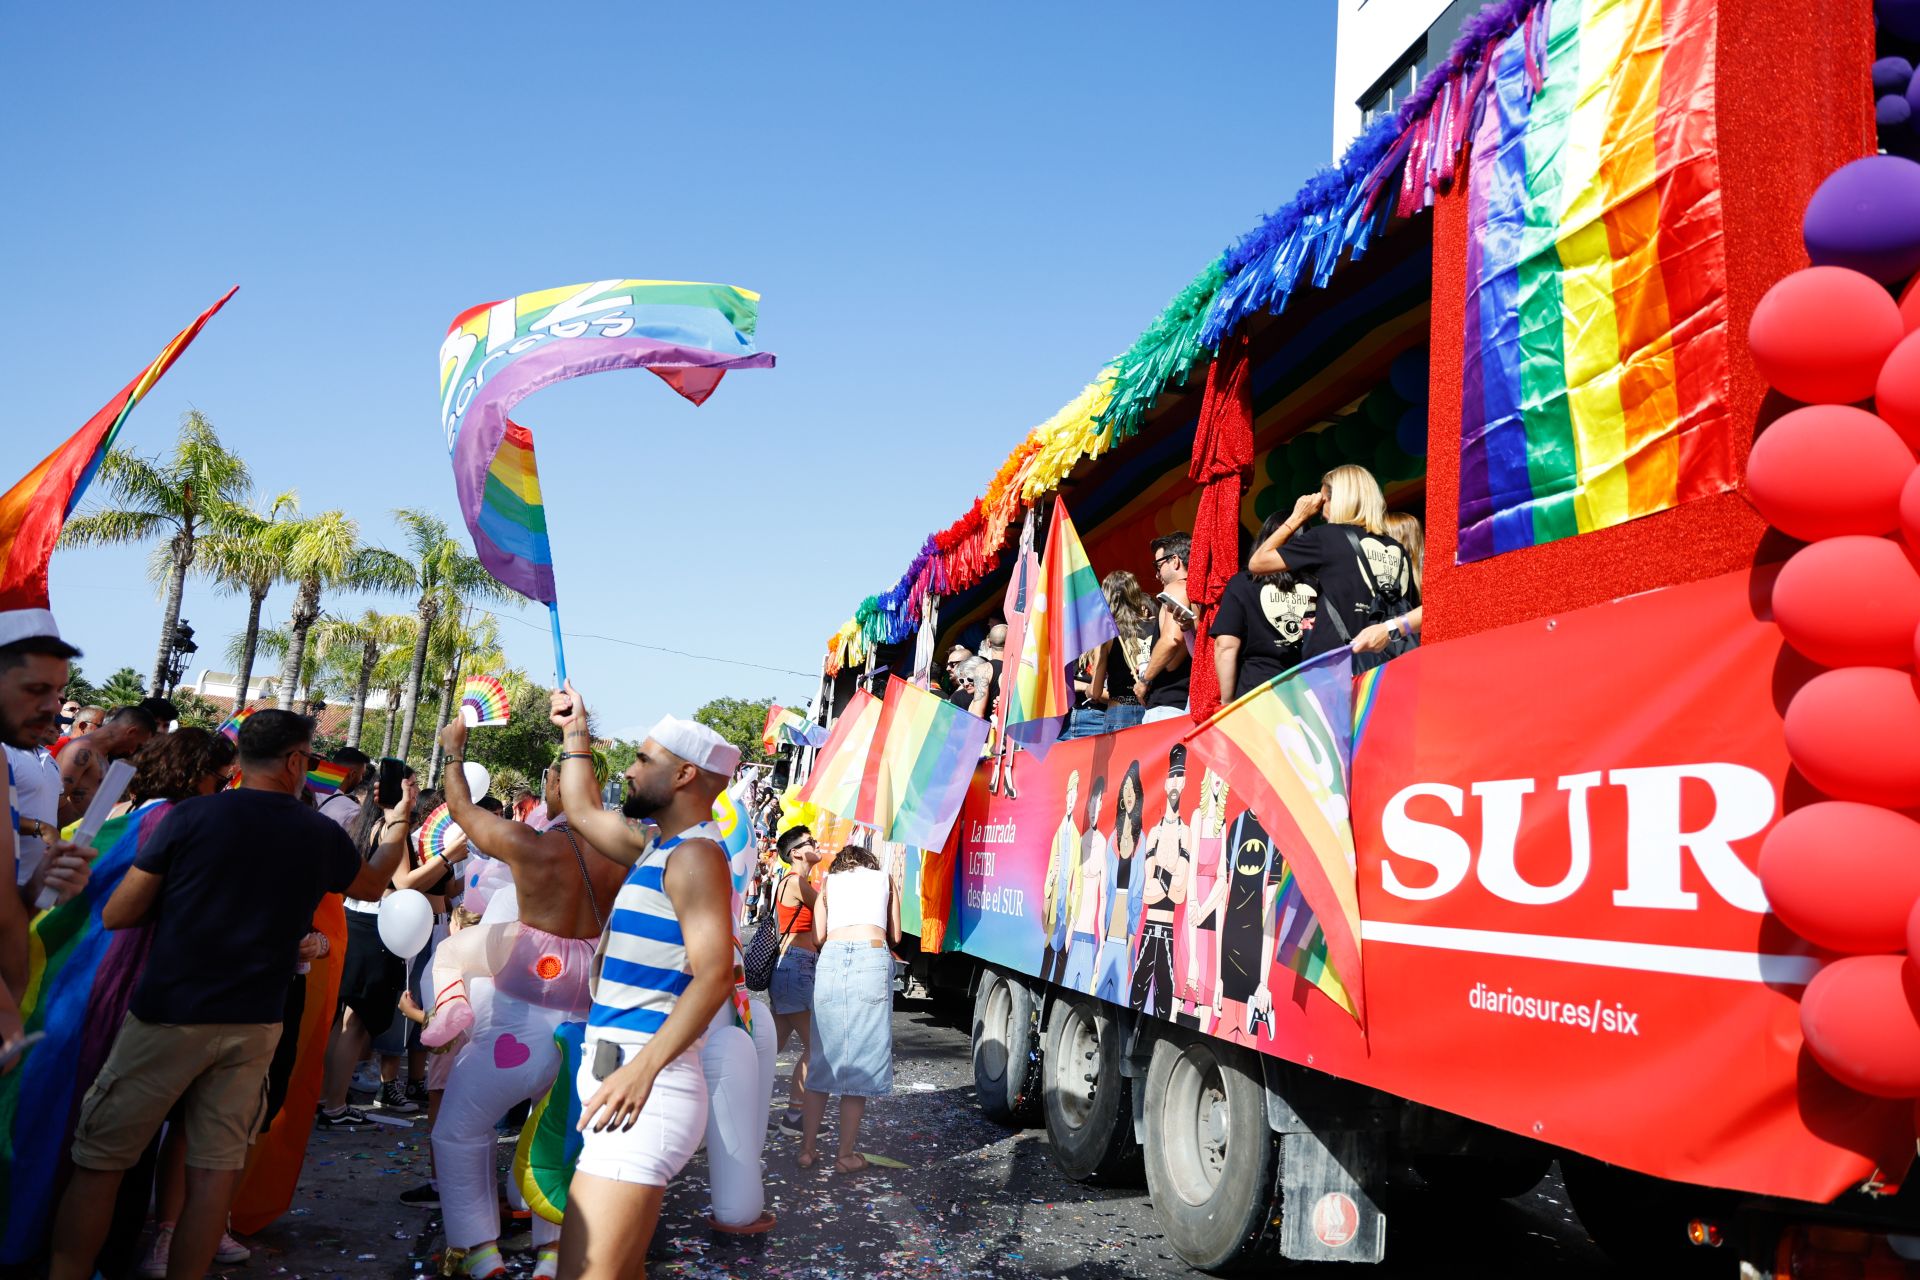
[[180, 647]]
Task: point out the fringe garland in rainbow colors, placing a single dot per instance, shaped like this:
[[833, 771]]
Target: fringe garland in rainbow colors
[[1597, 371]]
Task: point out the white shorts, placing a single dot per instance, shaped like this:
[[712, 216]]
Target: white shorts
[[663, 1139]]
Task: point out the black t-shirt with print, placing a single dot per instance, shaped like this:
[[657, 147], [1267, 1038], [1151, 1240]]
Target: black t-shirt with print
[[242, 873], [1324, 554], [1270, 619]]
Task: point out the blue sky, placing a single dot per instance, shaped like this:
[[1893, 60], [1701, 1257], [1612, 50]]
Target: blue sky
[[955, 215]]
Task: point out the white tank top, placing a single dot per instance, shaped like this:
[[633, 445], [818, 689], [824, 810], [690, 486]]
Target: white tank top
[[856, 896]]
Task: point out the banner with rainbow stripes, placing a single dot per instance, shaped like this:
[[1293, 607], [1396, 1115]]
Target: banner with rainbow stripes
[[899, 764], [1287, 749], [1596, 375]]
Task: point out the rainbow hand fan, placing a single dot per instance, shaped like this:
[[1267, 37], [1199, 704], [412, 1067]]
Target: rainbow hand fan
[[438, 829], [483, 702]]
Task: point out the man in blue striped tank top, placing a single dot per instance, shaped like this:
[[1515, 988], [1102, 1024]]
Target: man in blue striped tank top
[[666, 967]]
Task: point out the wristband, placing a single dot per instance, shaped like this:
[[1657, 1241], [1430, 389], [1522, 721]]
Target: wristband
[[576, 755]]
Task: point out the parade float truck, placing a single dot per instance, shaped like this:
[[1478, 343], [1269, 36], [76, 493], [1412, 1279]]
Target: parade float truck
[[1552, 303]]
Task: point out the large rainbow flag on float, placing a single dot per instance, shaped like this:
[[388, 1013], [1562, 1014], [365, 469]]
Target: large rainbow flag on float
[[899, 764], [1287, 749], [34, 510], [1596, 364], [1063, 616]]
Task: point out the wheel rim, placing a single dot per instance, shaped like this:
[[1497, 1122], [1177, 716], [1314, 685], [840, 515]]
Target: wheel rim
[[1198, 1118], [996, 1032], [1076, 1068]]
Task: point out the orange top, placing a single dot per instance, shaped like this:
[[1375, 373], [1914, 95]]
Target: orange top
[[798, 920]]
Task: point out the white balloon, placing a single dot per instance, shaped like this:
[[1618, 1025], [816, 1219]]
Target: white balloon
[[478, 779], [406, 922]]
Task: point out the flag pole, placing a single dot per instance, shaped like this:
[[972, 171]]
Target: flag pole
[[559, 650]]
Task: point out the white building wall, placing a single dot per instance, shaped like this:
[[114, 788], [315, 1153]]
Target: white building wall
[[1370, 36]]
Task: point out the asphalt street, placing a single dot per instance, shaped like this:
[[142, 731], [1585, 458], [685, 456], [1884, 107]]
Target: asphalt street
[[974, 1200]]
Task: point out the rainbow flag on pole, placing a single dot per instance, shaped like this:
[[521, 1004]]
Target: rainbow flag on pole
[[1287, 748], [325, 777], [510, 533], [33, 512], [1596, 373], [1065, 618], [900, 764]]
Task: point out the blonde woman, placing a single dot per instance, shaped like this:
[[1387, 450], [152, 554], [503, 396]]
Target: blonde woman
[[1116, 665], [1405, 529], [1364, 574]]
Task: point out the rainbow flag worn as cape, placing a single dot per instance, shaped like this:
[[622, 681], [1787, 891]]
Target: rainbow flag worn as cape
[[79, 984], [33, 512], [497, 354], [1066, 617], [1596, 376], [1286, 749], [900, 764]]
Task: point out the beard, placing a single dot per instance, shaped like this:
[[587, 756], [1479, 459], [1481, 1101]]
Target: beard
[[642, 802], [29, 733]]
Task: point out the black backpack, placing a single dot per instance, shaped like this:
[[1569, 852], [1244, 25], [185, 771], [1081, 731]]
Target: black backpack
[[1384, 608]]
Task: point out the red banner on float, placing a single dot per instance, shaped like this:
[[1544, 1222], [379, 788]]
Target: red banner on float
[[1558, 825]]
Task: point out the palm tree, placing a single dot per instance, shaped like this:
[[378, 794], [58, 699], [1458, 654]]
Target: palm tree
[[277, 642], [193, 492], [459, 648], [444, 579], [355, 646], [123, 688], [390, 677], [241, 556], [320, 552]]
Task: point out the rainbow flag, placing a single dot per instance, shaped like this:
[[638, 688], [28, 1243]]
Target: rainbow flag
[[1286, 748], [1596, 374], [230, 729], [80, 978], [784, 724], [325, 777], [510, 535], [485, 699], [900, 764], [1067, 617], [498, 353], [33, 512]]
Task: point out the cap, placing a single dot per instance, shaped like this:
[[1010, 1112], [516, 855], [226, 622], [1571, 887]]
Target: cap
[[27, 624], [697, 745], [1177, 761]]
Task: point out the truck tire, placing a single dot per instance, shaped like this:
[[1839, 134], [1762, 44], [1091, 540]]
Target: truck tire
[[1467, 1175], [1087, 1100], [1006, 1070], [1213, 1165], [1641, 1222]]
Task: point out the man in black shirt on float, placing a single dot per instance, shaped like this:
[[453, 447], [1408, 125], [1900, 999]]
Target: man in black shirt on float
[[230, 882]]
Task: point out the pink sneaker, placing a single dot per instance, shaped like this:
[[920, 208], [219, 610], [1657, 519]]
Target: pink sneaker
[[230, 1252], [154, 1265], [449, 1021]]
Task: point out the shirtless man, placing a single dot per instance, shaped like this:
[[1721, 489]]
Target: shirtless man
[[84, 760], [566, 891], [1168, 849]]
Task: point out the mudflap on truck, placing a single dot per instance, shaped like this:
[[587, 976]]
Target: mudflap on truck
[[1333, 1142]]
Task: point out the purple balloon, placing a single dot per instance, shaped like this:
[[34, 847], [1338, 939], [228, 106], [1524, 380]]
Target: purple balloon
[[1890, 75], [1408, 375], [1866, 216], [1902, 17], [1892, 111], [1411, 434]]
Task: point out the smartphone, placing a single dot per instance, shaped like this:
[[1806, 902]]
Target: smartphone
[[1180, 611], [392, 774]]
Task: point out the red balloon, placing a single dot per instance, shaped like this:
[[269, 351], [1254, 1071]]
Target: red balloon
[[1910, 304], [1913, 930], [1821, 335], [1896, 392], [1850, 602], [1845, 876], [1827, 470], [1855, 734], [1859, 1020]]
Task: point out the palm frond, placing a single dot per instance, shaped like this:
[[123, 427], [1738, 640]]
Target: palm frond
[[112, 527]]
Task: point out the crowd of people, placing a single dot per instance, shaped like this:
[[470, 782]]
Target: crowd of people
[[545, 909]]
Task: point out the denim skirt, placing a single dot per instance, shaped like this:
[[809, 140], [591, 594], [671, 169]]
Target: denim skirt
[[791, 990], [852, 1053]]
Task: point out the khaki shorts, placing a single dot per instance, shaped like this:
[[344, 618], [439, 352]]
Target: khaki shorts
[[219, 1070]]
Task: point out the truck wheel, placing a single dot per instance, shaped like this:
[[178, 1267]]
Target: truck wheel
[[1006, 1075], [1464, 1175], [1213, 1165], [1641, 1222], [1087, 1100]]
